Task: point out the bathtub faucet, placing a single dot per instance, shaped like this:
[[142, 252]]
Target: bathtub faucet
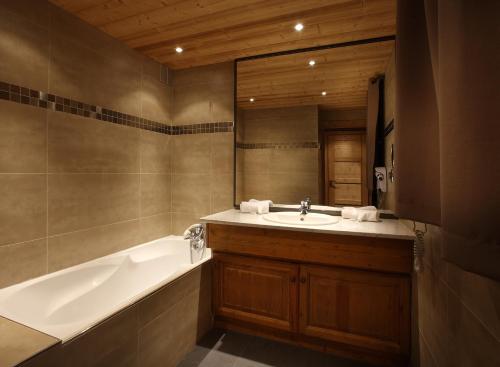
[[196, 236]]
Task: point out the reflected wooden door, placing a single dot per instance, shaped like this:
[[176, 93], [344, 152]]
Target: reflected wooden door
[[344, 168]]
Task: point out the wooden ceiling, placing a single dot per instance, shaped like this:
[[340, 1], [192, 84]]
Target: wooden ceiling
[[212, 31], [288, 80]]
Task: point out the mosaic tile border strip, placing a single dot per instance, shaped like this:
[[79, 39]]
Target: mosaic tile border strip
[[299, 145], [36, 98]]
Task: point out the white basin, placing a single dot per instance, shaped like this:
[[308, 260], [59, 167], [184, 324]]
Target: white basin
[[310, 219]]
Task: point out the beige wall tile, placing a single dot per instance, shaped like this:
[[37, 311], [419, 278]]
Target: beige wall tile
[[78, 144], [222, 102], [85, 75], [191, 105], [432, 315], [192, 153], [24, 45], [36, 12], [156, 155], [22, 261], [182, 220], [478, 294], [256, 186], [470, 342], [23, 207], [291, 190], [191, 193], [76, 30], [221, 192], [293, 161], [222, 148], [256, 161], [155, 194], [156, 101], [280, 125], [80, 201], [23, 142], [216, 74], [156, 226], [77, 247]]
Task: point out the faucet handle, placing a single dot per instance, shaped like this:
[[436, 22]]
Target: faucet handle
[[306, 202]]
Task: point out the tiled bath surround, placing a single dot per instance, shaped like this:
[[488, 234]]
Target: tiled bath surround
[[76, 187]]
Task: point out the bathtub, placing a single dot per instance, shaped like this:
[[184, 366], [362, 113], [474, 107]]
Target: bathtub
[[68, 302]]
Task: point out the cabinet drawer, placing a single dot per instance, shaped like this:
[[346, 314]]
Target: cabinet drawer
[[258, 291], [360, 308]]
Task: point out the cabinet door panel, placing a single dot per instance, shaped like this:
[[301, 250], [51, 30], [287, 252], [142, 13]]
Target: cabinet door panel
[[361, 308], [256, 290]]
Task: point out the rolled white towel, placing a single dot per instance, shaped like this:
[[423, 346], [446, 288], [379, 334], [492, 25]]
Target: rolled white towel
[[367, 215], [268, 202], [258, 207], [349, 212], [362, 214]]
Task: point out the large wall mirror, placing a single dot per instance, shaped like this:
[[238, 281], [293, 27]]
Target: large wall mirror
[[301, 124]]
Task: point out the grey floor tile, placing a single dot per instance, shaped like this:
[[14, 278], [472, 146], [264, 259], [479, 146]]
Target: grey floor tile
[[228, 349]]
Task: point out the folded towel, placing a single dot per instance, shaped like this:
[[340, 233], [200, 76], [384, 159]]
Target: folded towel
[[255, 206], [362, 214]]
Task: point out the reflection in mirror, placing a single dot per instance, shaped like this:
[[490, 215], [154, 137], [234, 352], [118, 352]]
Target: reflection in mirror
[[304, 129]]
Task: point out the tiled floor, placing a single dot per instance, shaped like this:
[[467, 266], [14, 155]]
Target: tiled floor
[[221, 349]]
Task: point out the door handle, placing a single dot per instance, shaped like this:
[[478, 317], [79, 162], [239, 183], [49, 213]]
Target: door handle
[[303, 279], [332, 183]]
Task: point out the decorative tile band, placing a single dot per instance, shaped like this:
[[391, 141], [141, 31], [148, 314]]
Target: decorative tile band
[[17, 94], [309, 144]]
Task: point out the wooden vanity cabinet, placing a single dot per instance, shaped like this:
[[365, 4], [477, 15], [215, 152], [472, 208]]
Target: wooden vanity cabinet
[[298, 287], [364, 309], [258, 291]]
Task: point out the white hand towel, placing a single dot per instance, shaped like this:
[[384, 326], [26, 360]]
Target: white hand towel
[[255, 206], [362, 214]]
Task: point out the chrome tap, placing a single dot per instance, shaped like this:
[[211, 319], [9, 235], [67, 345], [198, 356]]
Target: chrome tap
[[305, 206], [196, 236]]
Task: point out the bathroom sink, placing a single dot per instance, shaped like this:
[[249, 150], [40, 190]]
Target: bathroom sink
[[310, 219]]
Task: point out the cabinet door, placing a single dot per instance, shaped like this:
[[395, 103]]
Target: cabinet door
[[360, 308], [258, 291]]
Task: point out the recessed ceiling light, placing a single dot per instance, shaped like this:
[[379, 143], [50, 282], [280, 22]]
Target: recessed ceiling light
[[178, 50], [298, 27], [312, 62], [323, 93], [252, 99]]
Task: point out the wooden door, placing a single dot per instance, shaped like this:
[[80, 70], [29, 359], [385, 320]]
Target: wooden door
[[258, 291], [344, 169], [360, 308]]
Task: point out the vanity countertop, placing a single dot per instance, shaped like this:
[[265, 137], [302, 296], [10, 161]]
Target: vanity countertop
[[385, 228]]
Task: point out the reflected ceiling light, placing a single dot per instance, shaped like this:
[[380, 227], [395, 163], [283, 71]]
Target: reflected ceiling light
[[252, 99], [298, 27], [323, 93], [178, 50], [312, 62]]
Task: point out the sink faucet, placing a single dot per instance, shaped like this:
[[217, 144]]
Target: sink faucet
[[305, 206]]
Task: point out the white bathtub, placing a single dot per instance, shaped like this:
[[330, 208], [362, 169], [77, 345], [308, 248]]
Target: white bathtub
[[68, 302]]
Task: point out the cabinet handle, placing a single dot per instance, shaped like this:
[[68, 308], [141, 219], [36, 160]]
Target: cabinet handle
[[293, 279], [303, 279]]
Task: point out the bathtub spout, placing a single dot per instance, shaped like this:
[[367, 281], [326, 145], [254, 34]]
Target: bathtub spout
[[196, 236]]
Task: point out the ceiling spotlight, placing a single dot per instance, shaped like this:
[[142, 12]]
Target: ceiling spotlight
[[298, 27], [312, 62], [178, 50], [252, 99], [323, 93]]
